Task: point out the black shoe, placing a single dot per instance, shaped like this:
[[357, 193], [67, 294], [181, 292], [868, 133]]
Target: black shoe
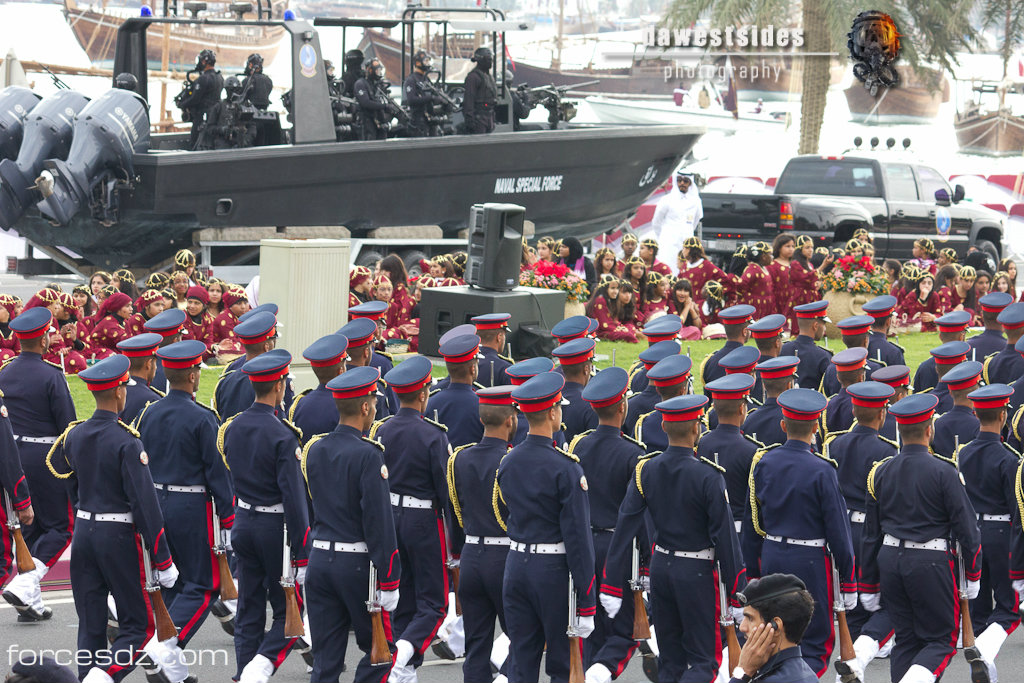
[[443, 650], [304, 649], [979, 669], [846, 673], [191, 678], [650, 667], [645, 647], [30, 615], [154, 674], [224, 615]]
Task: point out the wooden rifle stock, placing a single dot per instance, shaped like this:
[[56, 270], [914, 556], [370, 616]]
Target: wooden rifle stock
[[846, 651], [165, 628], [641, 624], [966, 626], [228, 591], [734, 646], [293, 627], [576, 674], [21, 551], [380, 654], [455, 587]]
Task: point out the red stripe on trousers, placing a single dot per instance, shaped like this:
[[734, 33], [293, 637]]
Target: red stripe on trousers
[[718, 623], [830, 642], [71, 530], [191, 624], [150, 623], [956, 624]]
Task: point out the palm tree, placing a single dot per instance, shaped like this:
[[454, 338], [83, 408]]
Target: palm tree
[[1008, 16], [931, 31]]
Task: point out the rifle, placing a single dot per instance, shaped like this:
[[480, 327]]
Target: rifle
[[227, 581], [21, 551], [293, 627], [725, 618], [966, 626], [448, 560], [576, 674], [393, 108], [846, 651], [441, 94], [165, 628], [380, 654], [641, 624]]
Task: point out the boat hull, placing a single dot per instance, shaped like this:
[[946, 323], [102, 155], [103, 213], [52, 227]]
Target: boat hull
[[627, 112], [910, 102], [993, 134]]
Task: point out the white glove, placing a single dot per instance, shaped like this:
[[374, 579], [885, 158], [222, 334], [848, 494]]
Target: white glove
[[226, 535], [645, 582], [388, 600], [872, 601], [972, 589], [1018, 586], [168, 577], [611, 604], [586, 626], [300, 575], [850, 601], [453, 563], [737, 614]]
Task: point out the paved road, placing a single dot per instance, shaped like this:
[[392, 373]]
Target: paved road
[[216, 646]]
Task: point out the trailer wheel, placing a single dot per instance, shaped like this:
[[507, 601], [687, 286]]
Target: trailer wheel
[[991, 253], [369, 258], [412, 259]]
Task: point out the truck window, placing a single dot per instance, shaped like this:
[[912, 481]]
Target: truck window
[[829, 176], [899, 181], [930, 181]]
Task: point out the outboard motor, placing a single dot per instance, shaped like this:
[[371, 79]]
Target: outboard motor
[[108, 131], [47, 135], [15, 104]]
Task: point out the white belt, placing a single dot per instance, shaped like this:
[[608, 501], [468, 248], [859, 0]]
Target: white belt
[[739, 525], [809, 542], [994, 518], [706, 554], [934, 544], [123, 517], [276, 509], [338, 547], [488, 540], [857, 517], [180, 489], [410, 502], [538, 548], [35, 439]]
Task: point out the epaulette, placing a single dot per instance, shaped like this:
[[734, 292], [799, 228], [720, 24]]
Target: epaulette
[[756, 402], [1013, 451], [1, 394], [752, 440], [477, 385], [138, 418], [951, 461], [897, 346], [376, 425], [713, 464], [758, 454], [442, 427], [633, 441], [633, 370], [639, 469], [378, 444], [567, 454], [648, 456], [6, 363], [827, 459], [508, 359], [1015, 422], [213, 400], [830, 437], [1018, 489], [638, 429], [159, 393], [221, 433], [384, 353], [53, 449], [295, 403], [871, 476], [294, 427], [984, 369], [50, 362], [453, 494], [305, 454], [128, 428], [889, 441], [576, 440], [703, 364]]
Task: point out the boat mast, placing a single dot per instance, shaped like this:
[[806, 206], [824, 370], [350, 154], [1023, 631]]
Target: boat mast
[[557, 63]]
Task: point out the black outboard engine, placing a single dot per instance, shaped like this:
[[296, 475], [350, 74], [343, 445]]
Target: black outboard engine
[[108, 131], [15, 104], [47, 135]]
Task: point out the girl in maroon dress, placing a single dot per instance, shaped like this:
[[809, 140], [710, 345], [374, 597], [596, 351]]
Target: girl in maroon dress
[[681, 303], [636, 275], [655, 296], [223, 339], [755, 286], [628, 313], [1008, 266], [947, 257], [945, 285], [401, 303], [922, 304], [924, 255], [714, 301], [148, 304], [198, 320], [68, 351], [698, 270], [110, 327], [604, 263], [9, 346], [982, 281], [1001, 283], [546, 249], [783, 291], [216, 288], [604, 307]]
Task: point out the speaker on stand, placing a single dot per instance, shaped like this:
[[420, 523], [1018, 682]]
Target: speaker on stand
[[495, 246]]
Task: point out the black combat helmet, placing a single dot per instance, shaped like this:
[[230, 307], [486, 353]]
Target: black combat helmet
[[232, 86], [422, 60], [126, 81], [353, 59], [254, 64], [373, 68], [484, 57], [206, 57]]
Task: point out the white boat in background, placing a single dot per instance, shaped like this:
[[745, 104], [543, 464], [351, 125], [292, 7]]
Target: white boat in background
[[660, 112]]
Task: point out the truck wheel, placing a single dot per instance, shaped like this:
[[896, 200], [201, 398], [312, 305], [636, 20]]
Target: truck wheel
[[412, 259], [369, 258], [991, 254]]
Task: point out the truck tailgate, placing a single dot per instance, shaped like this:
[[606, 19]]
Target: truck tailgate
[[731, 219]]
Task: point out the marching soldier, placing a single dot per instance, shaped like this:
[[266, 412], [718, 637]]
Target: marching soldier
[[457, 331], [139, 350], [1007, 365], [314, 411], [959, 425], [688, 504], [168, 325], [855, 336], [262, 452], [520, 374], [796, 520], [662, 329], [989, 469], [857, 450], [375, 310], [548, 522], [360, 333], [471, 472], [573, 327], [740, 361], [952, 327], [991, 340], [40, 407], [192, 486], [576, 359], [767, 334], [764, 424], [14, 486], [735, 320], [880, 349], [915, 504], [814, 360], [107, 466], [947, 358], [492, 328], [670, 378], [849, 370], [643, 399], [354, 528], [897, 377], [416, 450], [456, 406], [234, 390]]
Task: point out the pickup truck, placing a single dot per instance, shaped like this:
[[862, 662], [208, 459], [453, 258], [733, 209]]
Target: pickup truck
[[829, 197]]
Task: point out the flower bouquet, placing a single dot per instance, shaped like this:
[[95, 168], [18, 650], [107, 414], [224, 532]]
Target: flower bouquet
[[549, 275], [856, 275]]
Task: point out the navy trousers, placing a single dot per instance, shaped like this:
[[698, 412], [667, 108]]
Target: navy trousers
[[611, 643], [106, 558], [482, 572], [49, 534], [684, 593], [7, 570], [188, 520], [536, 598], [876, 625], [997, 601], [423, 591], [258, 540], [337, 588], [919, 590]]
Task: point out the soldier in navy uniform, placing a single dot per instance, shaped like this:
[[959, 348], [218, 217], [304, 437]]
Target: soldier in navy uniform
[[880, 349], [348, 484], [192, 486], [608, 458], [735, 450], [416, 450], [1007, 365], [573, 327], [39, 403], [521, 373], [314, 411], [897, 377], [741, 361], [796, 520], [234, 392], [991, 340], [671, 378], [947, 358], [545, 492], [857, 450], [767, 334], [814, 360], [576, 359], [959, 425], [688, 505], [168, 325], [375, 310], [262, 452], [471, 472], [492, 328], [735, 320], [952, 327], [849, 370], [15, 487], [360, 333], [916, 503], [764, 423], [855, 336], [139, 350], [106, 465], [642, 400], [456, 405]]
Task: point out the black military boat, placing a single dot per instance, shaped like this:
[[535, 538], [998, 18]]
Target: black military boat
[[122, 195]]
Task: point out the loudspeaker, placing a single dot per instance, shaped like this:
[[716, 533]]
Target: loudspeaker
[[495, 246], [443, 308]]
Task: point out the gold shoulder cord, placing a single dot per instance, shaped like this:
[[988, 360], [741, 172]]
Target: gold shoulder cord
[[305, 454], [53, 449], [452, 493], [754, 510], [221, 434]]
